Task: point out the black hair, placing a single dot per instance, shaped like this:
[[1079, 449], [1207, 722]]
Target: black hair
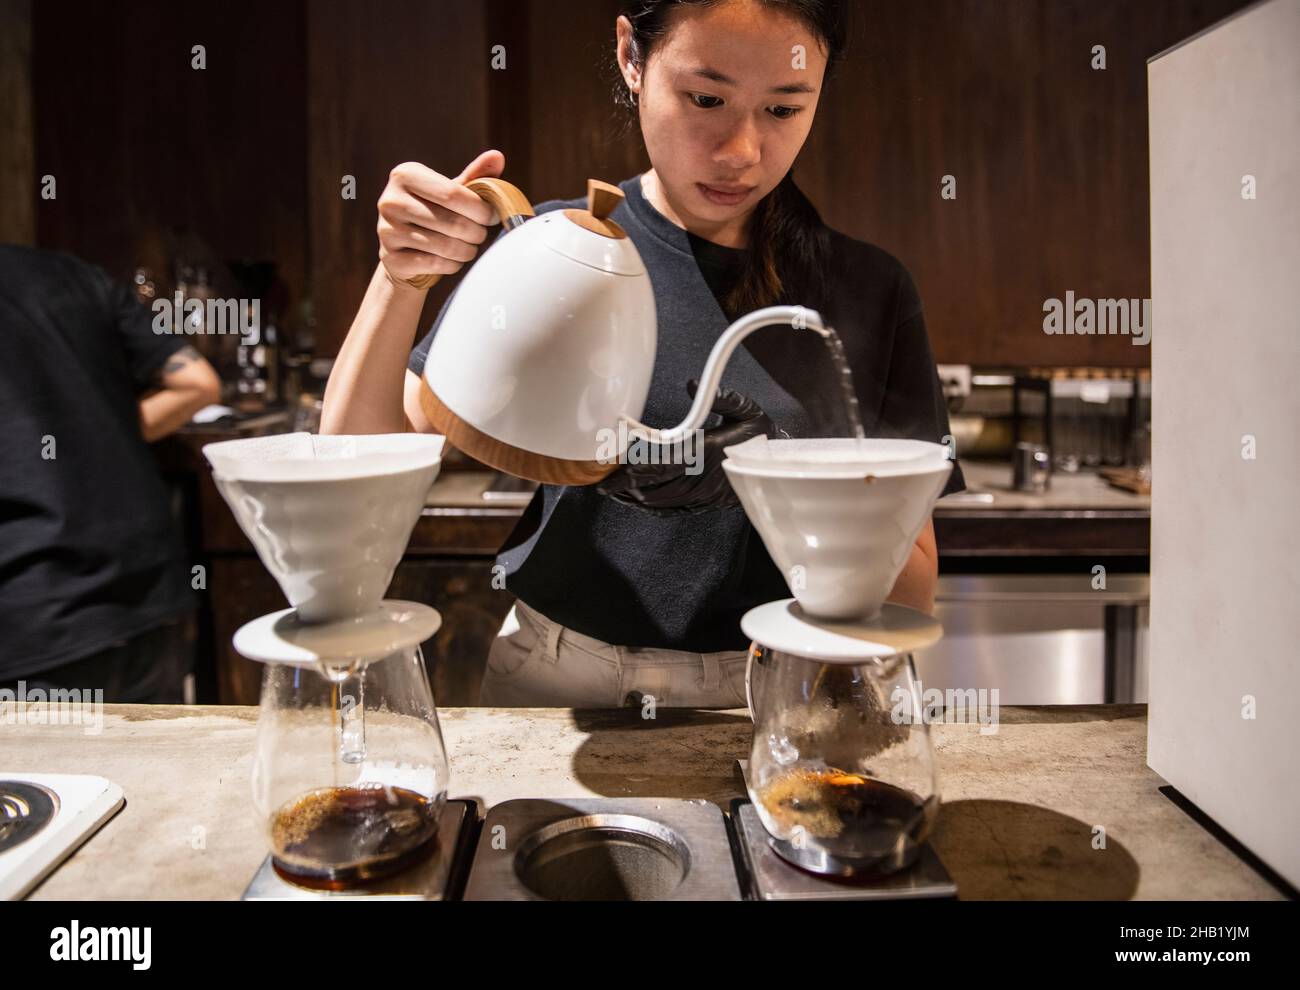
[[788, 246]]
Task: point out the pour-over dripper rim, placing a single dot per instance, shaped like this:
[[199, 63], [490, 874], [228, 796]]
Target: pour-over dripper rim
[[857, 473], [847, 457], [291, 458], [797, 452]]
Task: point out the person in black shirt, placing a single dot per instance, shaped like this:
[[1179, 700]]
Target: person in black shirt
[[616, 600], [93, 580]]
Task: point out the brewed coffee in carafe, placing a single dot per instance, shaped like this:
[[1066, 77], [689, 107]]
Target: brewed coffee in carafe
[[335, 836], [839, 781], [351, 773]]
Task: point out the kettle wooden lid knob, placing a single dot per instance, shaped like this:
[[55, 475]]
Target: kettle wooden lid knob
[[602, 200]]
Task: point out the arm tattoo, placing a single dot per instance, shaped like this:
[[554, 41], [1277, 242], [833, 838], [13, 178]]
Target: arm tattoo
[[186, 355]]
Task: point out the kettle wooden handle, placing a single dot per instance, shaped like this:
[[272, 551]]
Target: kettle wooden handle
[[512, 209], [512, 206], [602, 200]]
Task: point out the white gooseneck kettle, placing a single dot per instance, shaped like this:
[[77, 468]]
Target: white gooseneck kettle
[[548, 344]]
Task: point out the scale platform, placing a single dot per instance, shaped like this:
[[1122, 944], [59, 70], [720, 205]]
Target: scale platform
[[768, 877], [435, 878]]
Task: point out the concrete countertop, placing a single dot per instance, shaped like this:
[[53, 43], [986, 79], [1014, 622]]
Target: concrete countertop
[[1020, 810]]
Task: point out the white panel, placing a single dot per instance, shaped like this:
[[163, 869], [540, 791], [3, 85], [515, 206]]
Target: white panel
[[1225, 277]]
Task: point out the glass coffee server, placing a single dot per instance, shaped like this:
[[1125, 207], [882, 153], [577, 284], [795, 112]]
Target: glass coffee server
[[841, 767], [350, 771]]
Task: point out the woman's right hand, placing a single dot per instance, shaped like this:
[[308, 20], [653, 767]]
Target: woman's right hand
[[430, 224]]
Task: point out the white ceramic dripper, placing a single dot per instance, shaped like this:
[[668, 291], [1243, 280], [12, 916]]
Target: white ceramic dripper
[[329, 515], [839, 517]]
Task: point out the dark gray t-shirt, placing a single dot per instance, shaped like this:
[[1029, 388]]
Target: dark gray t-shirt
[[682, 582], [89, 554]]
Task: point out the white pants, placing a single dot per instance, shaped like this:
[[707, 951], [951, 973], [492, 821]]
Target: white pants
[[537, 663]]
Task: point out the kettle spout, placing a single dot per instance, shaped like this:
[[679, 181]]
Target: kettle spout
[[799, 317]]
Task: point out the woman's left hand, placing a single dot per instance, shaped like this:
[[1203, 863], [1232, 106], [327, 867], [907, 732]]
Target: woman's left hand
[[700, 485]]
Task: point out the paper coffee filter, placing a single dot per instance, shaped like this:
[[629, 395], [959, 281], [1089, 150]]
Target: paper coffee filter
[[837, 454], [310, 457]]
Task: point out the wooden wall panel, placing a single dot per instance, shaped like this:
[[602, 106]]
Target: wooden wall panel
[[403, 80], [578, 132], [149, 153], [1050, 158], [17, 152]]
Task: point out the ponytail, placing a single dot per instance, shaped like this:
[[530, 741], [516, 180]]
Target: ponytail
[[787, 256]]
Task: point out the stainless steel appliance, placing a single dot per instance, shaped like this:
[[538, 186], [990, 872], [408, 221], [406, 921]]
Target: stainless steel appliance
[[1041, 639]]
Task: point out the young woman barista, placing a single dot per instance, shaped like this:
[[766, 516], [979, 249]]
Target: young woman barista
[[634, 588]]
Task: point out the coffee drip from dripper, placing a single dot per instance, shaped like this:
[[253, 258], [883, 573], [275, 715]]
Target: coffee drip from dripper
[[350, 773]]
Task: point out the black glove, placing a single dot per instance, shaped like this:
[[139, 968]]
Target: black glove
[[665, 488]]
